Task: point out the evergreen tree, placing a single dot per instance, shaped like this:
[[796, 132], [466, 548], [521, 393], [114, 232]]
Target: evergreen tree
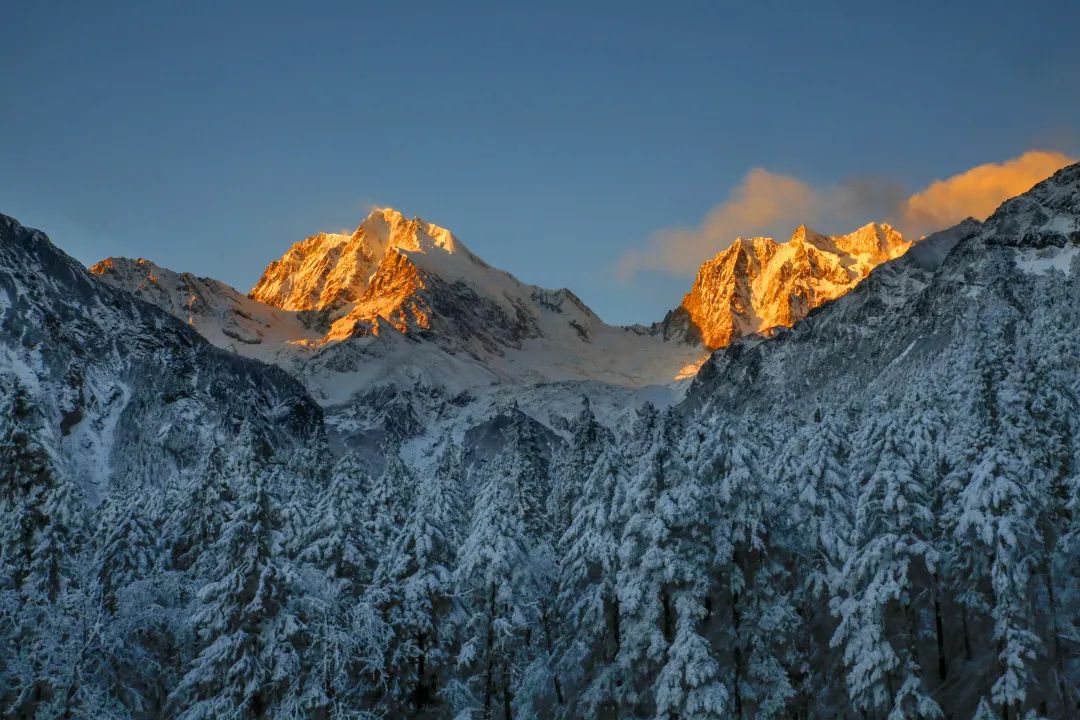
[[824, 511], [667, 666], [415, 589], [886, 577], [588, 438], [995, 517], [57, 543], [249, 635], [198, 509], [28, 476], [344, 658], [587, 600], [338, 543], [496, 583], [127, 544], [526, 466], [752, 599], [388, 502]]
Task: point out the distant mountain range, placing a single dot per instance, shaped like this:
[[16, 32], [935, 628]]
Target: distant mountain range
[[403, 306]]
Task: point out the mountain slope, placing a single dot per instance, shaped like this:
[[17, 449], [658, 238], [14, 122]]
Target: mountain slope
[[421, 282], [219, 313], [907, 458], [403, 335], [402, 314], [127, 388], [871, 514]]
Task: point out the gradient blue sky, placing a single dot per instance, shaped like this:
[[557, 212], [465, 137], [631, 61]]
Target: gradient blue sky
[[210, 136]]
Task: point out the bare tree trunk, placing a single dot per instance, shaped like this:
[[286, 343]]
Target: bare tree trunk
[[939, 628], [616, 628], [1059, 667], [549, 646], [669, 624], [735, 623], [508, 712], [420, 692], [489, 677], [967, 635]]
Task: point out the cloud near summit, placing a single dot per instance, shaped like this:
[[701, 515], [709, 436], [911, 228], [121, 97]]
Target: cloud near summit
[[772, 204]]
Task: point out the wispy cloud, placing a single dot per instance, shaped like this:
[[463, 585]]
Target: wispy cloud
[[767, 203], [762, 203]]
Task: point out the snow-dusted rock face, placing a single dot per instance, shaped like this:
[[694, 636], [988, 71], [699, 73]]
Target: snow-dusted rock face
[[758, 284], [419, 281], [336, 309], [218, 312], [332, 272], [422, 281], [126, 391]]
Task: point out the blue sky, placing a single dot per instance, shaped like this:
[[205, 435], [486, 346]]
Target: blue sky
[[551, 140]]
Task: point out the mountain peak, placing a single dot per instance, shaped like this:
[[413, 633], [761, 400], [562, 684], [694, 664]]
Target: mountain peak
[[759, 284], [329, 271], [396, 230], [877, 241], [804, 233]]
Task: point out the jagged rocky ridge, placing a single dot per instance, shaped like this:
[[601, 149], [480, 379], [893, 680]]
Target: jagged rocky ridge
[[759, 284]]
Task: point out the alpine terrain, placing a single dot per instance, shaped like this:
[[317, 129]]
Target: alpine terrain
[[841, 479]]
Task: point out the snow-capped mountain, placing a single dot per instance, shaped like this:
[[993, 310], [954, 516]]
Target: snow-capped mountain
[[221, 314], [409, 278], [422, 281], [400, 331], [758, 284]]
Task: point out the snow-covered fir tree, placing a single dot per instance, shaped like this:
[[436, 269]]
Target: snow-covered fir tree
[[587, 602], [885, 579], [668, 668], [497, 586], [388, 502], [249, 634], [415, 590]]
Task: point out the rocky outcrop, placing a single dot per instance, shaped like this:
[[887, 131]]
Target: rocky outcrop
[[758, 284]]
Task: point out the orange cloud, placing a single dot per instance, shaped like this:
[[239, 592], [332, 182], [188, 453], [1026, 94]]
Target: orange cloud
[[772, 204], [976, 192]]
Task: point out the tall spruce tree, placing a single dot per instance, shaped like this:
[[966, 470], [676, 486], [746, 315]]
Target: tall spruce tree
[[886, 578], [668, 668]]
